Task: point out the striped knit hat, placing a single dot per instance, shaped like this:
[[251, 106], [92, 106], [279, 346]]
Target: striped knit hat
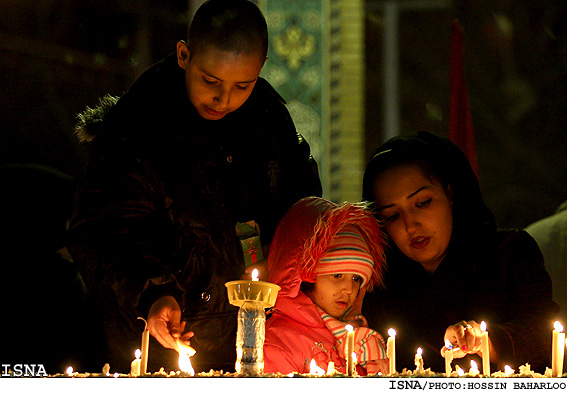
[[346, 239], [347, 253]]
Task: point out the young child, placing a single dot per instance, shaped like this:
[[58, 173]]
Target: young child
[[198, 146], [324, 257]]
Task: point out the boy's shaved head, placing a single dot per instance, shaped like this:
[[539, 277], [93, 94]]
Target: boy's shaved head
[[230, 25]]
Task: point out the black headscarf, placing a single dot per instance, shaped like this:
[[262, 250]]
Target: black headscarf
[[472, 218]]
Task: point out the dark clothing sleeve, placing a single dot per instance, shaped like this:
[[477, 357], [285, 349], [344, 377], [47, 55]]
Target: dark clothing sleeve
[[525, 334]]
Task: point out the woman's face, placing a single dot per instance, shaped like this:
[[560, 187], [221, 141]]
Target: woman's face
[[417, 213]]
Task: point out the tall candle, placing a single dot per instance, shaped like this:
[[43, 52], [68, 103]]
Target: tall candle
[[557, 350], [448, 357], [391, 350], [484, 348], [350, 349], [145, 349]]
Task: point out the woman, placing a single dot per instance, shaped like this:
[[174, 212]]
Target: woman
[[449, 266]]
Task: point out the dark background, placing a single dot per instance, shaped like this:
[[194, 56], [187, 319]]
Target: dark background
[[59, 56]]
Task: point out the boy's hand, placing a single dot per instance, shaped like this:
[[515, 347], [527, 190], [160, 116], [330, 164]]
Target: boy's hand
[[164, 323]]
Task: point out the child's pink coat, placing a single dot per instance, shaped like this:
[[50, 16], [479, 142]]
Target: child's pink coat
[[295, 332]]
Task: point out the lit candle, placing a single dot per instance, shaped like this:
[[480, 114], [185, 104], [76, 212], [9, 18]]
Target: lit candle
[[448, 357], [474, 368], [145, 348], [69, 370], [484, 348], [557, 350], [255, 275], [185, 352], [135, 366], [418, 361], [460, 371], [508, 370], [391, 350], [350, 349], [314, 369], [331, 368]]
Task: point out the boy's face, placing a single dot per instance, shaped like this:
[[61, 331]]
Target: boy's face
[[218, 82], [335, 293]]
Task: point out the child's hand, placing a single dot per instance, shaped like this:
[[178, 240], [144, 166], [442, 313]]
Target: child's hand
[[466, 336]]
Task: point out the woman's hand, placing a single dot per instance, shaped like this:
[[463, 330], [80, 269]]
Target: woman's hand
[[463, 338]]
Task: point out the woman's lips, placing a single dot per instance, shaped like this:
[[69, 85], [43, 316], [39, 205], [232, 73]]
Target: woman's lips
[[420, 242], [212, 112]]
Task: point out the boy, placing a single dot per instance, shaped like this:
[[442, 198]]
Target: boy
[[199, 146], [324, 257]]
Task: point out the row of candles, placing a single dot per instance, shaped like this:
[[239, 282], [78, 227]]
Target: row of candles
[[139, 364]]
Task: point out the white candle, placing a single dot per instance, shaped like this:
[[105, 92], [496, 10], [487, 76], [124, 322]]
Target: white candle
[[331, 368], [145, 350], [484, 348], [418, 361], [448, 357], [391, 350], [135, 365], [350, 349], [557, 350]]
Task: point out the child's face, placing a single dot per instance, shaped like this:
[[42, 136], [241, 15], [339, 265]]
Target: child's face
[[218, 82], [335, 293]]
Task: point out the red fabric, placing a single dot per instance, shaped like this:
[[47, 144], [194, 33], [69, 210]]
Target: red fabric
[[295, 332], [461, 130]]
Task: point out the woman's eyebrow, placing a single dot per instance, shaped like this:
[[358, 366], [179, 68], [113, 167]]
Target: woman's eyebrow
[[408, 197]]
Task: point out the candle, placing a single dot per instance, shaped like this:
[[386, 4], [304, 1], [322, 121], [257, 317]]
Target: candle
[[391, 350], [448, 357], [145, 348], [484, 348], [331, 368], [184, 361], [474, 368], [418, 361], [69, 370], [314, 369], [255, 275], [557, 350], [135, 365], [350, 349], [460, 371], [508, 370]]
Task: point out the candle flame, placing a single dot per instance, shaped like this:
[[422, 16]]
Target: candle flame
[[185, 352], [138, 353], [69, 370], [349, 328], [354, 359], [314, 369], [255, 274], [392, 332], [331, 368], [508, 370], [419, 351], [474, 365], [460, 371], [558, 326], [483, 326]]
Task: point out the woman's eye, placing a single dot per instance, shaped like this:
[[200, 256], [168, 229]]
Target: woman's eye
[[337, 275], [357, 278], [390, 218], [208, 81], [242, 87], [425, 203]]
